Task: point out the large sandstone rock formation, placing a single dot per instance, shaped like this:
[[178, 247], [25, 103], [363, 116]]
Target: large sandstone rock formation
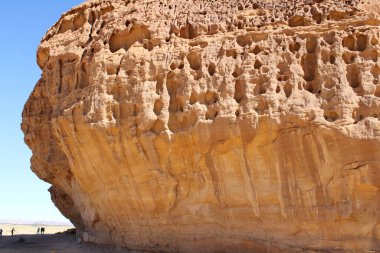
[[213, 126]]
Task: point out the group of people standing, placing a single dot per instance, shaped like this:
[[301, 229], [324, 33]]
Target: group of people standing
[[41, 230], [1, 232]]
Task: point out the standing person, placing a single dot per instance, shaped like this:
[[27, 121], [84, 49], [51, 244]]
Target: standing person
[[38, 230], [1, 233], [12, 231], [42, 230]]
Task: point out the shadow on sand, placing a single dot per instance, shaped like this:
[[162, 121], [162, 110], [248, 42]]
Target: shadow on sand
[[50, 243]]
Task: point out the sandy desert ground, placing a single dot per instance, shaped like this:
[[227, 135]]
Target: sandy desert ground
[[26, 240], [31, 229]]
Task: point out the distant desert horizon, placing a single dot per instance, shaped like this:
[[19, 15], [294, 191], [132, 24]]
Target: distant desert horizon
[[31, 229], [35, 222]]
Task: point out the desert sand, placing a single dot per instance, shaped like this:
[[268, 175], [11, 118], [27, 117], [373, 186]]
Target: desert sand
[[31, 229]]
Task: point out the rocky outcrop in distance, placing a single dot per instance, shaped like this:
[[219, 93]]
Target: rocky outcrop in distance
[[213, 126]]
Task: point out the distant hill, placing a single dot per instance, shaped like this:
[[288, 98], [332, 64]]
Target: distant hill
[[34, 222]]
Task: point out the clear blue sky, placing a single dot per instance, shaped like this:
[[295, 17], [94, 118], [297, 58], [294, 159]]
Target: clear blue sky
[[23, 24]]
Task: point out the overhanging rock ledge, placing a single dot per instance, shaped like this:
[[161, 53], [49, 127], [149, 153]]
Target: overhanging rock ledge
[[213, 126]]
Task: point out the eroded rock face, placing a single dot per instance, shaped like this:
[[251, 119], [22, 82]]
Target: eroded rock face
[[213, 126]]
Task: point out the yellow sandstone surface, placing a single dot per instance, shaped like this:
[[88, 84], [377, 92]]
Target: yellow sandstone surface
[[213, 126]]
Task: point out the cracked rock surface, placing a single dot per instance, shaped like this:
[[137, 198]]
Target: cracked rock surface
[[213, 126]]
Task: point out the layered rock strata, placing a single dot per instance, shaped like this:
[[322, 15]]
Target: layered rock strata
[[213, 126]]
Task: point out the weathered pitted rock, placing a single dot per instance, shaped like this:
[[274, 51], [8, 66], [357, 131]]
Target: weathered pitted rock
[[213, 126]]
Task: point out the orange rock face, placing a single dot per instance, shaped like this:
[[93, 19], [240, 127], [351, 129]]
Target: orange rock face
[[213, 126]]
